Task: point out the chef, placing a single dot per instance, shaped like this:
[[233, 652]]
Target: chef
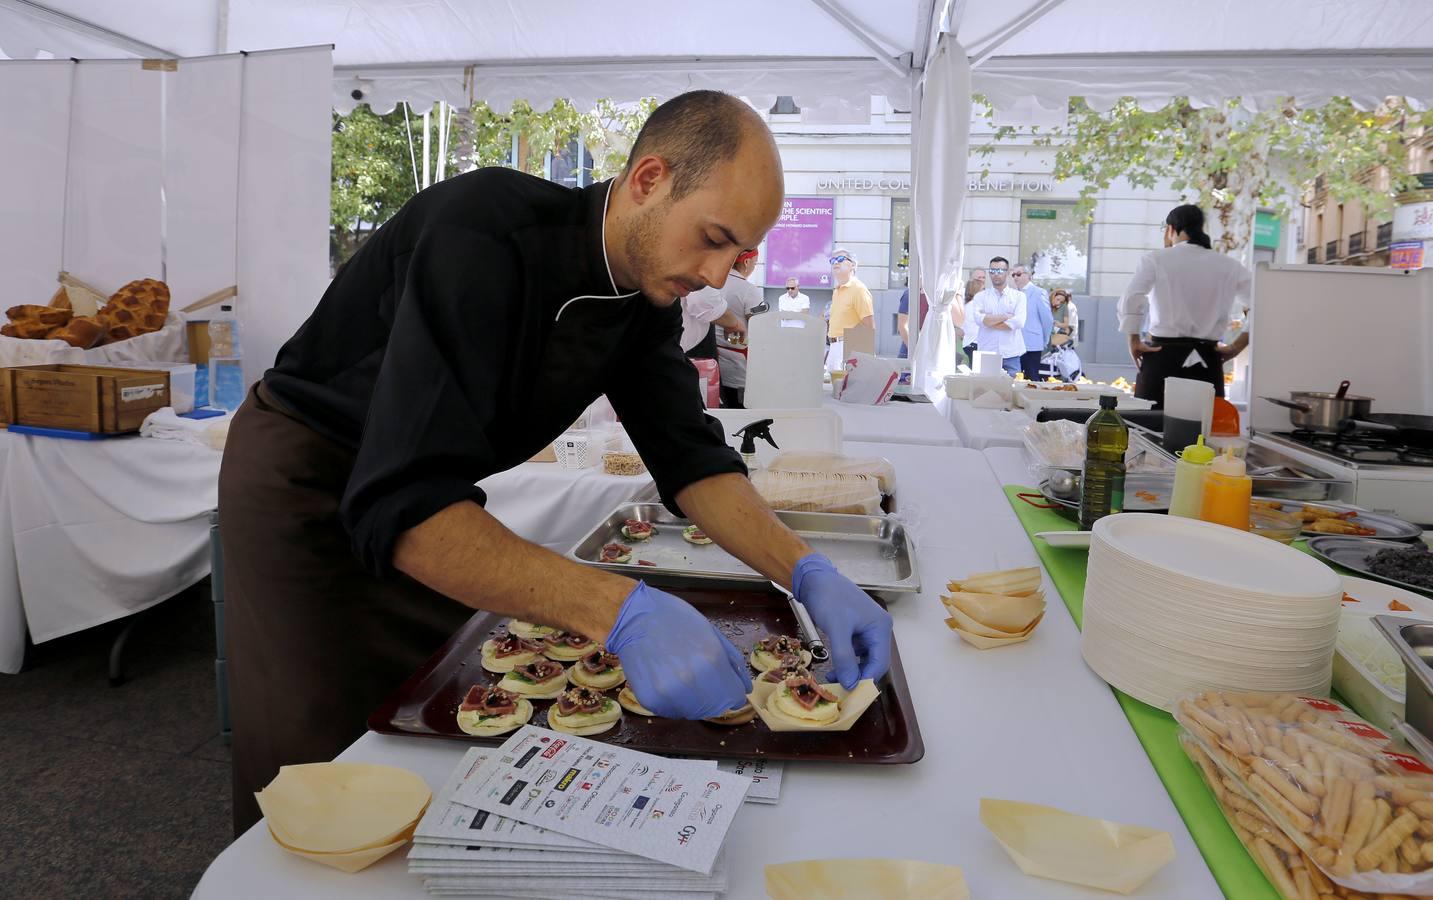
[[1184, 297], [462, 338]]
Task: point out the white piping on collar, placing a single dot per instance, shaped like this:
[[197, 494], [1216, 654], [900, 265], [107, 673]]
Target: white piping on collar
[[607, 198]]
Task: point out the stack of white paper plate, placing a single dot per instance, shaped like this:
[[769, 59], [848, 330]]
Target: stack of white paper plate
[[1175, 605]]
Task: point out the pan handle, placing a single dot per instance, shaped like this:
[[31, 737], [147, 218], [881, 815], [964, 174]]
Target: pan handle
[[1031, 498], [1355, 424], [1290, 404], [1342, 389]]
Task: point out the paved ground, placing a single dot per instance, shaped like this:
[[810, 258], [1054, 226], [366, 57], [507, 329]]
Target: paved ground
[[114, 791]]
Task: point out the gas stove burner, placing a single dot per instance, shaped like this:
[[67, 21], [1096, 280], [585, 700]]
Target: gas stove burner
[[1363, 446]]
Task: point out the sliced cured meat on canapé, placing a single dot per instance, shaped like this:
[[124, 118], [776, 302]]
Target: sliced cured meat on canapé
[[567, 646], [599, 670], [488, 711], [616, 553], [506, 651], [637, 530], [582, 710], [801, 700], [541, 679], [770, 652], [694, 535], [790, 667]]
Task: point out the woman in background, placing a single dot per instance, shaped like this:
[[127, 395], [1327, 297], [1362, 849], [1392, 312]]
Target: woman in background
[[1183, 297]]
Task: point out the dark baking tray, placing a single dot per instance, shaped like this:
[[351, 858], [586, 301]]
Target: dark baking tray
[[427, 703]]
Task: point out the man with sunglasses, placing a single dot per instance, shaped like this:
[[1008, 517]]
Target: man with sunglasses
[[1001, 310], [851, 304]]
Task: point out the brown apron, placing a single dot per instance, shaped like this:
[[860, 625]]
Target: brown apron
[[315, 641]]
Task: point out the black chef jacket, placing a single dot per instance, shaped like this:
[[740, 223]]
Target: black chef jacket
[[466, 334]]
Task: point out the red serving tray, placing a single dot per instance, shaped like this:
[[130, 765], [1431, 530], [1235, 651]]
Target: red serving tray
[[887, 733]]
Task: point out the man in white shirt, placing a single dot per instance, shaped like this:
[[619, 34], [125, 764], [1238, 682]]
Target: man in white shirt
[[744, 300], [1183, 297], [700, 311], [793, 300], [1000, 311]]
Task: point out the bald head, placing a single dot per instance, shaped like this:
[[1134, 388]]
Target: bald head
[[697, 131]]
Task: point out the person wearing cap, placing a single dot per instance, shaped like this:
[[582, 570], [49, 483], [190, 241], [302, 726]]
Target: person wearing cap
[[851, 303], [793, 300], [743, 300]]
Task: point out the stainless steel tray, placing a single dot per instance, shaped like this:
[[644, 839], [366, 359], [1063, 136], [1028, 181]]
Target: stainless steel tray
[[873, 551]]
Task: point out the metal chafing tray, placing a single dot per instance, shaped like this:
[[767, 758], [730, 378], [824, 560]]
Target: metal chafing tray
[[876, 552]]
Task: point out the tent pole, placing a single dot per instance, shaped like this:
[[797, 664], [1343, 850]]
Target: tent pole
[[412, 158], [427, 113], [80, 26], [859, 32], [1019, 24]]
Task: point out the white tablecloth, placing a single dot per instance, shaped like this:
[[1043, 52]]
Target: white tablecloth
[[92, 531], [980, 428], [1011, 465], [1028, 722], [549, 505], [897, 422]]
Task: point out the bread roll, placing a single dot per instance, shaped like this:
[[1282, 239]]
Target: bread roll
[[82, 331], [47, 315], [31, 329]]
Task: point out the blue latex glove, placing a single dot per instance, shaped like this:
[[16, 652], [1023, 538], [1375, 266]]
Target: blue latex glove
[[676, 661], [857, 629]]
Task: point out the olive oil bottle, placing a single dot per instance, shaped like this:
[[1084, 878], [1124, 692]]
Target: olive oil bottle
[[1102, 482]]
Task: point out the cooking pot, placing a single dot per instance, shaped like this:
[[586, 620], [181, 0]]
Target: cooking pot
[[1323, 411]]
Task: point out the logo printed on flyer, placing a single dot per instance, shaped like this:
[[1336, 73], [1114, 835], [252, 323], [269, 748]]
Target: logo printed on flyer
[[566, 780], [550, 752], [526, 758]]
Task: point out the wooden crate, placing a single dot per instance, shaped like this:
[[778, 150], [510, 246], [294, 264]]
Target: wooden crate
[[95, 399]]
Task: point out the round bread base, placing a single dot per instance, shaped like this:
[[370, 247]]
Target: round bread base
[[638, 538], [628, 700], [568, 654], [529, 630], [787, 719], [520, 717], [757, 657], [624, 558], [604, 682], [505, 664], [536, 691], [700, 543], [595, 728], [734, 717]]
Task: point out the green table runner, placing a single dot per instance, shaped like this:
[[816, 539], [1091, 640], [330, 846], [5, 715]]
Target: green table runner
[[1156, 729]]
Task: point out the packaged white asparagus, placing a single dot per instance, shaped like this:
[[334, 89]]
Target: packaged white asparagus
[[1360, 810]]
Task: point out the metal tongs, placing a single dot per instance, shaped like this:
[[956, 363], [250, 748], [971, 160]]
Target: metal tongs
[[809, 635]]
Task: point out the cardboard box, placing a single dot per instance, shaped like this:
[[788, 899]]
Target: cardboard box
[[96, 399]]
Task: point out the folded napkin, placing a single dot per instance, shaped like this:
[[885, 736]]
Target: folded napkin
[[166, 425]]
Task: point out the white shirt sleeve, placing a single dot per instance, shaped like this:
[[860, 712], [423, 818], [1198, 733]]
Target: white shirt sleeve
[[1134, 305], [705, 305], [1017, 319]]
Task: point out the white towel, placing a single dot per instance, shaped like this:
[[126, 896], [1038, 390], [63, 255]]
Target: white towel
[[166, 425]]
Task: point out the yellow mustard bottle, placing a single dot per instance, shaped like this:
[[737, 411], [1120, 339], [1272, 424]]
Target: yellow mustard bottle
[[1227, 490]]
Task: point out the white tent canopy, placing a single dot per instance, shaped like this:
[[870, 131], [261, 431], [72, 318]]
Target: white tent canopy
[[1028, 57]]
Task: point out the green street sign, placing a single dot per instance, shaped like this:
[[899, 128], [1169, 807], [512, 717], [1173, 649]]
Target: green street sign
[[1267, 227], [1040, 213]]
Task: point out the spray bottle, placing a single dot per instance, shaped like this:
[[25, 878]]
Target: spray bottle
[[761, 428]]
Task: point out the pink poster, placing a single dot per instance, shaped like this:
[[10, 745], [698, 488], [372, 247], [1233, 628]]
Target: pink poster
[[799, 246]]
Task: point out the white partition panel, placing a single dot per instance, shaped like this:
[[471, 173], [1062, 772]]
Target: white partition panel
[[36, 98], [283, 197], [113, 212], [1312, 326], [201, 175]]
